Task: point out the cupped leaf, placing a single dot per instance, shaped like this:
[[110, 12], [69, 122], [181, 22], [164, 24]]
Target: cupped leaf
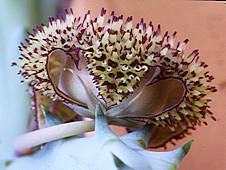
[[156, 99], [58, 60]]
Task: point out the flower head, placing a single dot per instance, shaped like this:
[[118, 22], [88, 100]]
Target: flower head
[[138, 74]]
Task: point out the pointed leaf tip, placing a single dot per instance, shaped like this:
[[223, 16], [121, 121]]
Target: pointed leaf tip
[[50, 118], [187, 146], [8, 162], [140, 136], [119, 164], [184, 150], [145, 133]]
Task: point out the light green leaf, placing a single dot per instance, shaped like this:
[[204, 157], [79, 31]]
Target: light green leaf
[[103, 151]]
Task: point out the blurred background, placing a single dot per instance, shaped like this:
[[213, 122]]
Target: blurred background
[[17, 17], [203, 22]]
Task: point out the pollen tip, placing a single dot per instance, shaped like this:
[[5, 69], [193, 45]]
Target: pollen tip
[[30, 34], [34, 30], [13, 64], [141, 20], [150, 23], [159, 28], [174, 34], [186, 41], [129, 19], [112, 13], [103, 12], [71, 10], [66, 11], [213, 118]]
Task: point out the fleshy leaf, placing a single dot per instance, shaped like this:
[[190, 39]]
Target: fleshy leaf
[[103, 151], [182, 151], [113, 143], [167, 160]]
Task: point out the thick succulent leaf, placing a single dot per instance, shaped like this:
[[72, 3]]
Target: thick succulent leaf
[[167, 160], [114, 145], [103, 151]]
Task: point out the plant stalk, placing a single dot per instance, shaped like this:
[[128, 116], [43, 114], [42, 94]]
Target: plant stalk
[[38, 137]]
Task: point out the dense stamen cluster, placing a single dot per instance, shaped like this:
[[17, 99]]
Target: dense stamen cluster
[[194, 107], [117, 57], [58, 34]]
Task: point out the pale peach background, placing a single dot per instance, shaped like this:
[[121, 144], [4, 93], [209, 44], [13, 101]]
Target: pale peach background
[[204, 23]]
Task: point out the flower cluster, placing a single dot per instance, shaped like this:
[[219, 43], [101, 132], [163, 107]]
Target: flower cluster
[[136, 73]]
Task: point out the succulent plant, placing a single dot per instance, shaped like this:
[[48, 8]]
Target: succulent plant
[[115, 74], [103, 151]]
